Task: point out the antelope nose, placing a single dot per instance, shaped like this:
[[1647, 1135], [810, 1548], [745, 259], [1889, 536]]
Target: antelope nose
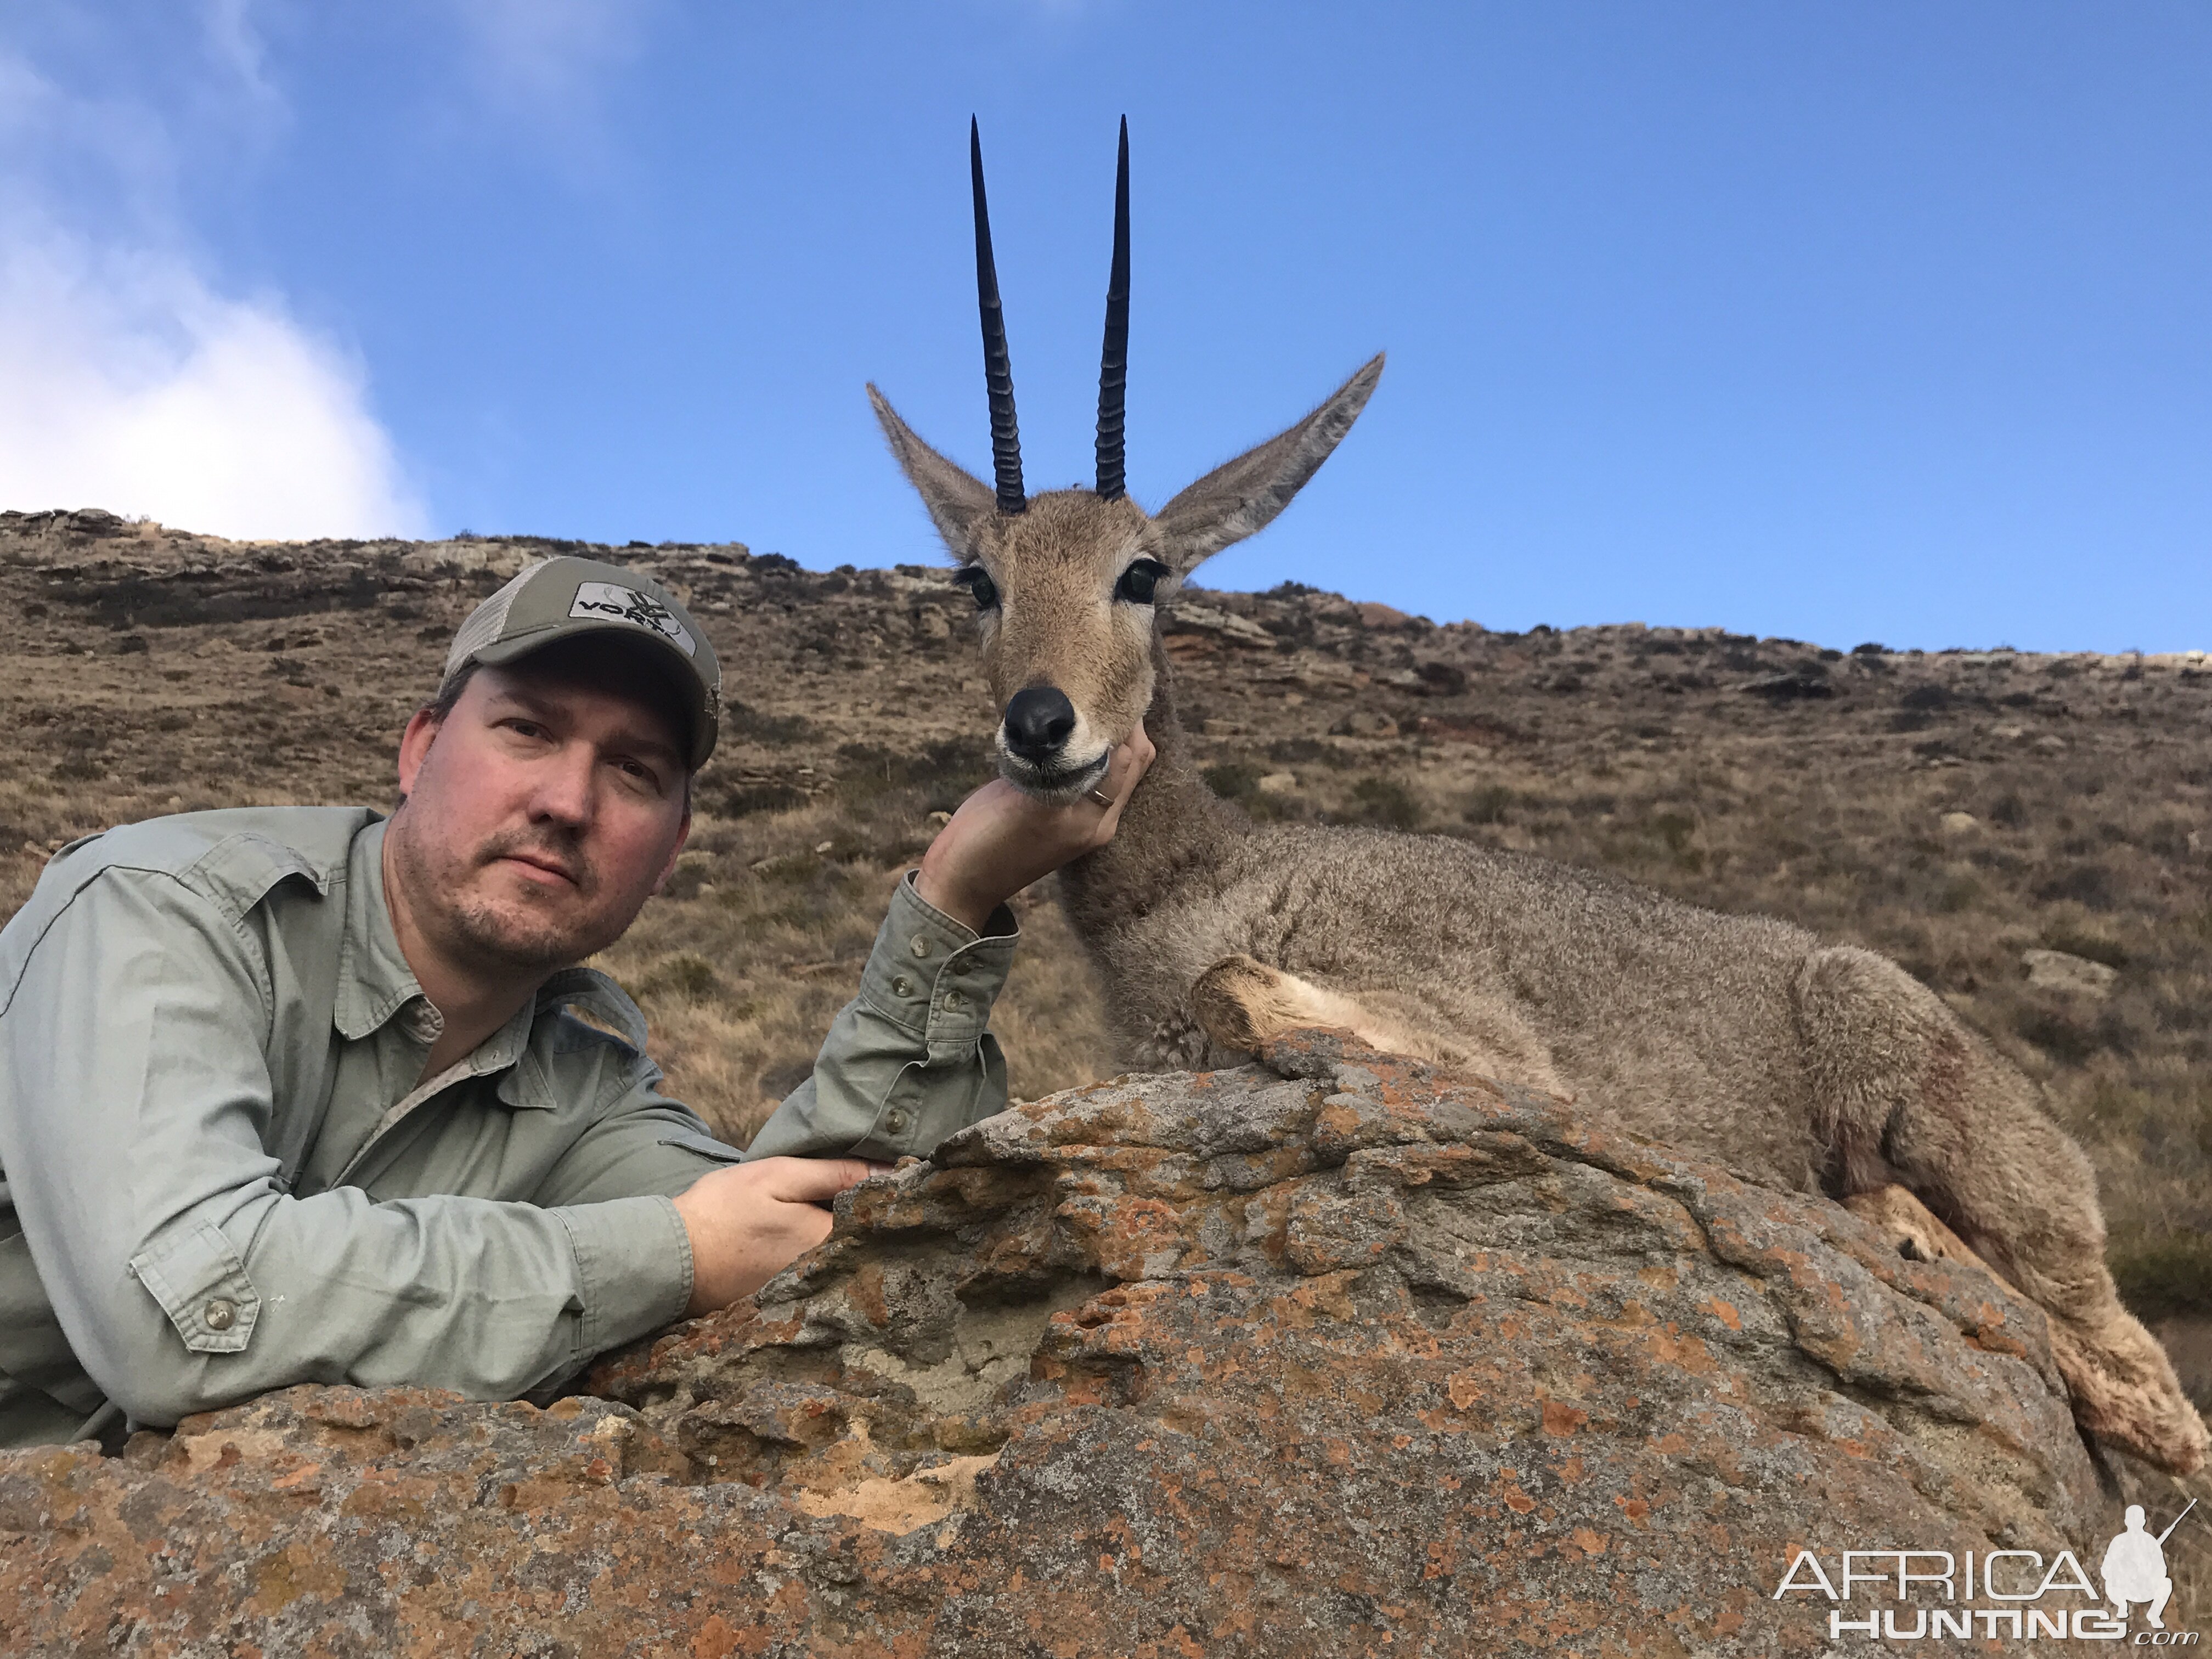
[[1038, 722]]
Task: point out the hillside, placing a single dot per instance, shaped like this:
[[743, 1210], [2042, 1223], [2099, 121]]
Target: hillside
[[1958, 811]]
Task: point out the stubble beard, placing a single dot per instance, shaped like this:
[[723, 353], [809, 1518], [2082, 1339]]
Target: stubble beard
[[526, 933]]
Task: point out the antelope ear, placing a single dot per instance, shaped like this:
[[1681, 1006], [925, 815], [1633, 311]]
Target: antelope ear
[[958, 501], [1243, 495]]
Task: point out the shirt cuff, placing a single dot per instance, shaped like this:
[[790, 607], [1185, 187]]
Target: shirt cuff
[[930, 976], [634, 1264]]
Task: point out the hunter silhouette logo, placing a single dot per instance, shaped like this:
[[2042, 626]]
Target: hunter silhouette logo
[[627, 603], [1999, 1594], [2135, 1568]]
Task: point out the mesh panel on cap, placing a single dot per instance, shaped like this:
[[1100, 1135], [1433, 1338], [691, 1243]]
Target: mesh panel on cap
[[488, 620]]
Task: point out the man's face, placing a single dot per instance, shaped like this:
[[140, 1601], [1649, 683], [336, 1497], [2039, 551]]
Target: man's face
[[539, 817]]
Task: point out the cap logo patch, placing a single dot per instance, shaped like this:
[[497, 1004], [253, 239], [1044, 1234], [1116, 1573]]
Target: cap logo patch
[[619, 603]]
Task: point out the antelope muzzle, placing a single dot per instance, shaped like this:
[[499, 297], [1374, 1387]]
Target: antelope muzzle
[[1042, 745]]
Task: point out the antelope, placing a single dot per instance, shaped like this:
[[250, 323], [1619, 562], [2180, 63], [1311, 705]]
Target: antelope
[[1821, 1068]]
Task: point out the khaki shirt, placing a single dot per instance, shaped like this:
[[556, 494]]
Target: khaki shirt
[[219, 1173]]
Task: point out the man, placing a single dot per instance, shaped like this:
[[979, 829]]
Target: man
[[2134, 1570], [294, 1094]]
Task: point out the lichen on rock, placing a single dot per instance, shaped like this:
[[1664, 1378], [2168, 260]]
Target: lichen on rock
[[1327, 1355]]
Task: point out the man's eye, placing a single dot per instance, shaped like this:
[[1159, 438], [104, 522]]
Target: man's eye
[[981, 588], [1139, 580]]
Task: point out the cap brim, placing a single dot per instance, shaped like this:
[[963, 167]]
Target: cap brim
[[690, 693]]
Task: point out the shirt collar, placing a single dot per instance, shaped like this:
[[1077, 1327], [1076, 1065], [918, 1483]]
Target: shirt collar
[[374, 981]]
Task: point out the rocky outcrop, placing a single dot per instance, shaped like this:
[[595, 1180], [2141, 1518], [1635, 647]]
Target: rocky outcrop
[[1327, 1356]]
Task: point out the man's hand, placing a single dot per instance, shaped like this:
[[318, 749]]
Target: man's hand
[[1001, 839], [751, 1221]]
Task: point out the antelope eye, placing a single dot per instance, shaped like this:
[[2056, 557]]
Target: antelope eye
[[1139, 580], [981, 588]]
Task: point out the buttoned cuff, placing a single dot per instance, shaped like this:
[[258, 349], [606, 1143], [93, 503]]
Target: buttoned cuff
[[634, 1263], [202, 1285], [932, 976]]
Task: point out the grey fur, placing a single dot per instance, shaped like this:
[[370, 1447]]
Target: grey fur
[[1815, 1067]]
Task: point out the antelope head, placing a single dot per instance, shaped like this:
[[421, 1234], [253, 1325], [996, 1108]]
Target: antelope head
[[1066, 583]]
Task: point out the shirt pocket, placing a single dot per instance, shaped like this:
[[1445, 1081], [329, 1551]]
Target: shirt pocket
[[202, 1285]]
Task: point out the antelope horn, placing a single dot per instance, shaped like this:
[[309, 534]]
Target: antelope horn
[[998, 372], [1114, 361]]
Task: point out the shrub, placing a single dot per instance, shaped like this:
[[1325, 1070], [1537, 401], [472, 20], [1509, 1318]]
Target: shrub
[[1388, 802], [1488, 805], [2087, 883], [686, 976], [1233, 780], [2163, 1275], [750, 724], [736, 801]]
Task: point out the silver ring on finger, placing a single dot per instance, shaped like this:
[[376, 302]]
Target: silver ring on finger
[[1103, 798]]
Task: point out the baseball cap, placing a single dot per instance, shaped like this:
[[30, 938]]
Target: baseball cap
[[561, 599]]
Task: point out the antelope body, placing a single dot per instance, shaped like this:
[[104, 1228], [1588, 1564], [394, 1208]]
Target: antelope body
[[1812, 1066]]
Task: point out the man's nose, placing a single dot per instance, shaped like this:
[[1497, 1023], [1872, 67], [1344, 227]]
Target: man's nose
[[564, 786]]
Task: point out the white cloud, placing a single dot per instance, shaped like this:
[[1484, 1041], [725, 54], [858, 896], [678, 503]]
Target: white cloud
[[134, 381], [539, 52], [131, 385]]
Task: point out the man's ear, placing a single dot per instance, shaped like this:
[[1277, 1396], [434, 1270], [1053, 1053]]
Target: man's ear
[[959, 503], [414, 746], [1244, 496]]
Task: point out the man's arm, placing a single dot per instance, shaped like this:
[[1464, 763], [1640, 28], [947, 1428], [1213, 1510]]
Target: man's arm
[[746, 1221], [911, 1060], [135, 1107]]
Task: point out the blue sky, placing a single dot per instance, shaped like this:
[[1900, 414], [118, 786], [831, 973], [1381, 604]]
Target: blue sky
[[1852, 321]]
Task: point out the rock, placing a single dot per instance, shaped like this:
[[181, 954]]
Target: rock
[[1442, 679], [1365, 723], [1311, 673], [1372, 613], [2056, 971], [1959, 824], [1428, 679], [1278, 783], [1326, 1356], [1189, 618], [1797, 684]]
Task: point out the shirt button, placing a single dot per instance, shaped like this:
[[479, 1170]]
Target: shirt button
[[954, 1001], [921, 946], [220, 1314], [902, 987], [895, 1121]]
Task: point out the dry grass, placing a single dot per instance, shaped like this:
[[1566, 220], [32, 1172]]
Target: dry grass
[[154, 672]]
